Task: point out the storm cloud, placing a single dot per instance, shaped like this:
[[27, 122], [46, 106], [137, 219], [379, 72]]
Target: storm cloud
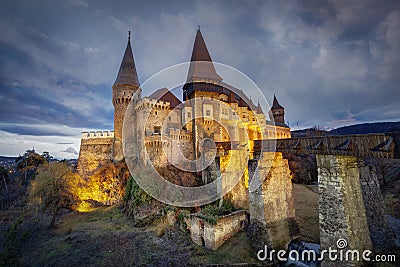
[[330, 63]]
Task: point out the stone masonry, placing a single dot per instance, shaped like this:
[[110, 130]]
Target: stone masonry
[[212, 236], [351, 206], [271, 205]]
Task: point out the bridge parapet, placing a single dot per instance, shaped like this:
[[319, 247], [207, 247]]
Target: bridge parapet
[[383, 145]]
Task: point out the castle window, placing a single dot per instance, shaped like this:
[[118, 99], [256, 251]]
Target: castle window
[[208, 113], [157, 129], [189, 114], [155, 112]]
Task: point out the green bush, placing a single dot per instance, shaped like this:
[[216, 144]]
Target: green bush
[[135, 194], [210, 213], [181, 218], [128, 189], [11, 248]]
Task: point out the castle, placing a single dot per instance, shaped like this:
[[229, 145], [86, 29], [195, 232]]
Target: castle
[[210, 134], [203, 83]]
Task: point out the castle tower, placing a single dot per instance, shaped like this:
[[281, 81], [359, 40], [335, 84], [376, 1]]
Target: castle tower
[[124, 87], [277, 112], [202, 81], [201, 69]]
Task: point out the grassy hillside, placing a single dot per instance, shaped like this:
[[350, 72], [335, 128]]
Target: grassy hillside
[[106, 237]]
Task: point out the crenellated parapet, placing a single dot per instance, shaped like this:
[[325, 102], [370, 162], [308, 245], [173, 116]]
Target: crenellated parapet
[[98, 134], [148, 103], [157, 141], [178, 134], [96, 149], [123, 95]]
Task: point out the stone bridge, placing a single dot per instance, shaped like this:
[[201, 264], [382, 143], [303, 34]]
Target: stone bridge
[[350, 200], [360, 145]]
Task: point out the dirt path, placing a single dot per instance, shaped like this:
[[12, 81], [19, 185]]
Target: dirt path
[[306, 205]]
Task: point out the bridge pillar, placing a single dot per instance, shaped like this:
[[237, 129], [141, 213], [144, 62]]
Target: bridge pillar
[[271, 207], [382, 236], [350, 206], [232, 164]]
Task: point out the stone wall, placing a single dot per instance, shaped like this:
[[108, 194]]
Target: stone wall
[[342, 213], [121, 97], [212, 236], [233, 165], [380, 231], [351, 205], [271, 204], [94, 152]]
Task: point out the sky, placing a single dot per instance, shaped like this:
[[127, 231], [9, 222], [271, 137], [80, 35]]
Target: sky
[[330, 63]]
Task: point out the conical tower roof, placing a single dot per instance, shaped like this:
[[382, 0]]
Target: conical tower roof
[[259, 109], [201, 66], [275, 104], [127, 71]]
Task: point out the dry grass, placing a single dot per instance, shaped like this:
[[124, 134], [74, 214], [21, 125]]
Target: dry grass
[[106, 237]]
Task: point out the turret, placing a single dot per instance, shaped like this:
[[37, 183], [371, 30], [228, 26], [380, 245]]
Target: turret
[[201, 70], [124, 87], [277, 112]]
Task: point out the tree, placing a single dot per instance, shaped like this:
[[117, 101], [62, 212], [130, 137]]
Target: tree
[[46, 155], [4, 176], [28, 163], [53, 188]]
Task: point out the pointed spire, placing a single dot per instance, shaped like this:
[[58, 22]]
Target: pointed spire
[[275, 104], [200, 51], [242, 103], [127, 71], [259, 109], [251, 104], [204, 69]]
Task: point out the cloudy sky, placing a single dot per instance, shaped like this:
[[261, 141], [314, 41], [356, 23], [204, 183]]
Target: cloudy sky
[[330, 63]]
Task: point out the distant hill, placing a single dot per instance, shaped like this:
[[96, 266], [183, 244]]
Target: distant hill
[[366, 128], [309, 132], [4, 158]]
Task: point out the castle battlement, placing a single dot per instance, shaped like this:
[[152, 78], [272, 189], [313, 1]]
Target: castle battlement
[[178, 134], [148, 103], [98, 134]]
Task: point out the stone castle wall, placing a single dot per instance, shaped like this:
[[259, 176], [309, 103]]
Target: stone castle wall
[[121, 97], [212, 236], [96, 149], [271, 205]]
